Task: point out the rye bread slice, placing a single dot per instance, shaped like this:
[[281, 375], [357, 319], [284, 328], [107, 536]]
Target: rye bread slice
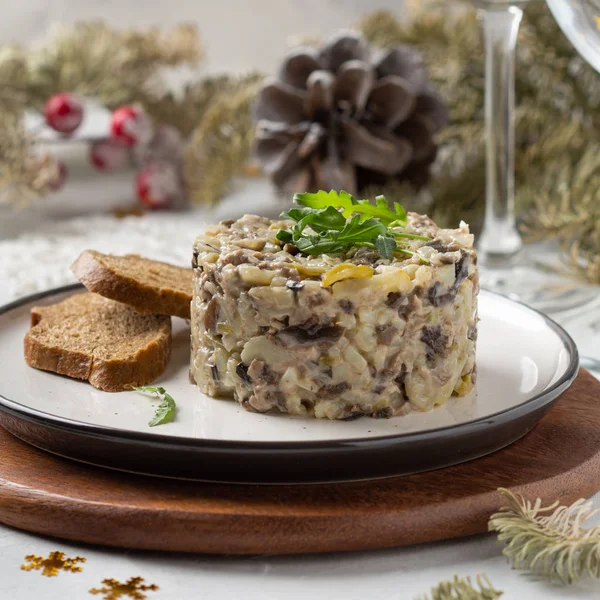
[[101, 341], [149, 286]]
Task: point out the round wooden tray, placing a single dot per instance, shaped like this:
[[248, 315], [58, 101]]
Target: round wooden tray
[[43, 493]]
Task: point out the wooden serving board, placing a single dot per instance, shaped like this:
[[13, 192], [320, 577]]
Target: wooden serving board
[[558, 459]]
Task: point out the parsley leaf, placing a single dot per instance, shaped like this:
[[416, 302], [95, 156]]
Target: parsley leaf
[[324, 219], [165, 411], [285, 236], [385, 245], [333, 222], [355, 231], [350, 205]]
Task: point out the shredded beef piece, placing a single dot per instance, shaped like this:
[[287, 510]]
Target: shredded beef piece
[[312, 331]]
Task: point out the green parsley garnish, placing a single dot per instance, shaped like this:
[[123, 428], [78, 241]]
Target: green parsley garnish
[[338, 221], [165, 412]]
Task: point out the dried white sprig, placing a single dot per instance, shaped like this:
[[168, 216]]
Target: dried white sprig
[[550, 541], [462, 588]]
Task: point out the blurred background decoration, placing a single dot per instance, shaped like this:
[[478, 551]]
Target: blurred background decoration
[[347, 116], [91, 63], [557, 133]]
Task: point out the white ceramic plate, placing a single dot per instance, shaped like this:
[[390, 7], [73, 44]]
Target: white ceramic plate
[[524, 362]]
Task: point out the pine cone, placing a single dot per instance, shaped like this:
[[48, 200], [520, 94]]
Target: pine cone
[[347, 117]]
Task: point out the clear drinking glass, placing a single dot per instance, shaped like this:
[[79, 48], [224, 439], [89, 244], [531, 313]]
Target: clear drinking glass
[[580, 22], [505, 265]]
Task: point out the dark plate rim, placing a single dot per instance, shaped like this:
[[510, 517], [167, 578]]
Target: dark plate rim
[[158, 439]]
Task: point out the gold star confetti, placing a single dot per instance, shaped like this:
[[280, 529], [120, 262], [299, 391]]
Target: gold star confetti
[[132, 588], [597, 18], [50, 566]]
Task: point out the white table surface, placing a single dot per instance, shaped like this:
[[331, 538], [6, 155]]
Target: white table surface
[[39, 259]]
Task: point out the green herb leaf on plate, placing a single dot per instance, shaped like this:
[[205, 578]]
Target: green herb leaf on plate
[[165, 412], [333, 222], [350, 206], [357, 231], [551, 541], [385, 245]]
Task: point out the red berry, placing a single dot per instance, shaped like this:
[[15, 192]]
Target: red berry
[[130, 126], [59, 180], [157, 186], [108, 155], [63, 112]]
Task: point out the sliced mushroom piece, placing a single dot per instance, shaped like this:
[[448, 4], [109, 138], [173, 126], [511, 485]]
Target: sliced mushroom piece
[[345, 46], [436, 342], [319, 94], [298, 65], [211, 316], [391, 101], [353, 84], [404, 61], [278, 101], [310, 334], [366, 150]]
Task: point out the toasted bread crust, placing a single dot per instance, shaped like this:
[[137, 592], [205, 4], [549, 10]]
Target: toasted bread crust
[[92, 270], [133, 367]]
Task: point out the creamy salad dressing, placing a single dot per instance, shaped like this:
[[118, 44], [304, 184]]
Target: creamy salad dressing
[[388, 337]]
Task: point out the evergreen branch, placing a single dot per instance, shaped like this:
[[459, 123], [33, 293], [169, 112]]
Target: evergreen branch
[[557, 124], [24, 172], [463, 589], [13, 79], [221, 144], [92, 59], [550, 541], [184, 110]]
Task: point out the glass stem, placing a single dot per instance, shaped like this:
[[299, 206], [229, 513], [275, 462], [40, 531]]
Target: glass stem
[[500, 242]]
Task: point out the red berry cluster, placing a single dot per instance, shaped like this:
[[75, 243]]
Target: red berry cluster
[[157, 151]]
